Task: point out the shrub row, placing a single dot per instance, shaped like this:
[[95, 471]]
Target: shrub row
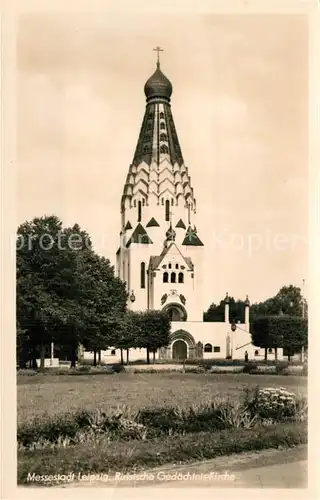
[[254, 408], [251, 368], [79, 370], [134, 456]]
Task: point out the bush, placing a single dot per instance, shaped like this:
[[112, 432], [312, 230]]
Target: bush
[[275, 404], [89, 362], [118, 368], [250, 367], [84, 368], [282, 367], [26, 372], [195, 369]]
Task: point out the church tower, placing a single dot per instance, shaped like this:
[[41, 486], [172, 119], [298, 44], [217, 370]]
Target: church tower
[[160, 249]]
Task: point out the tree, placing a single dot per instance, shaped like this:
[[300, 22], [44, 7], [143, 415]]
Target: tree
[[216, 313], [288, 301], [107, 297], [288, 332], [65, 292], [37, 306], [128, 331], [153, 330]]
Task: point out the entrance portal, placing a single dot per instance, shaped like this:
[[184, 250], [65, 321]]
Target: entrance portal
[[179, 350]]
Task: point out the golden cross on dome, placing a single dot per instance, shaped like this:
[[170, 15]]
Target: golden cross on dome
[[158, 50]]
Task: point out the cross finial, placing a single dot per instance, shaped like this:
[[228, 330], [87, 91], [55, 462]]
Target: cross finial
[[158, 50]]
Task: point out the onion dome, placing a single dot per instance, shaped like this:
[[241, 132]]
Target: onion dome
[[227, 300], [247, 301], [158, 85]]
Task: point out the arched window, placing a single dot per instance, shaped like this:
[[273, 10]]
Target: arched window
[[143, 201], [162, 126], [180, 278], [207, 348], [164, 149], [172, 201], [143, 275], [113, 352], [167, 210], [270, 350], [165, 277], [139, 211], [177, 266], [161, 114], [256, 353], [169, 265], [163, 137], [162, 201], [173, 277]]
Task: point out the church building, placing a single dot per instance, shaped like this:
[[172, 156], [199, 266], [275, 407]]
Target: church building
[[161, 253]]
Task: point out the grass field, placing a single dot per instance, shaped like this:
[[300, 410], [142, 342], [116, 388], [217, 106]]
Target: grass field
[[52, 394]]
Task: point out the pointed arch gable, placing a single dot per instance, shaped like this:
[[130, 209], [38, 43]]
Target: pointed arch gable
[[166, 173], [143, 167], [183, 335], [137, 191], [166, 191]]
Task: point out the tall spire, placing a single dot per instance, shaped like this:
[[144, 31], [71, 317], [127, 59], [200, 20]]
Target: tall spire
[[158, 50], [158, 174]]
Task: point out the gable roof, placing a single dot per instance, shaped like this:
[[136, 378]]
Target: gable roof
[[155, 261], [152, 223], [128, 226], [139, 235], [192, 239], [180, 223]]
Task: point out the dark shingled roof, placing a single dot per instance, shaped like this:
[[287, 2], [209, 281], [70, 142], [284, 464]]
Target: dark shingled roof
[[152, 223], [181, 224], [139, 235], [192, 239]]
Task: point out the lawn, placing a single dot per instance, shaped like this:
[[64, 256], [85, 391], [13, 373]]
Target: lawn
[[53, 394]]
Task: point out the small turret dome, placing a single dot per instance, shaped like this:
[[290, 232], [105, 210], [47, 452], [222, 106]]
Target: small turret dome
[[170, 234], [158, 85]]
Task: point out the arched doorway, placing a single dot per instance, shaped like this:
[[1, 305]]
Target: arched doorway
[[179, 350], [176, 312]]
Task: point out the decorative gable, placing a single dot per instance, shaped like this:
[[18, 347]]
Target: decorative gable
[[155, 261], [128, 226], [139, 235]]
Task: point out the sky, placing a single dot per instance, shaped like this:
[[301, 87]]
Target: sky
[[240, 105]]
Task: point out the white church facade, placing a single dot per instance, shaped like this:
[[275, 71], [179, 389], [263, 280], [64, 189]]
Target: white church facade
[[161, 252]]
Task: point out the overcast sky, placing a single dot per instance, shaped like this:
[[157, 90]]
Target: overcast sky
[[240, 105]]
